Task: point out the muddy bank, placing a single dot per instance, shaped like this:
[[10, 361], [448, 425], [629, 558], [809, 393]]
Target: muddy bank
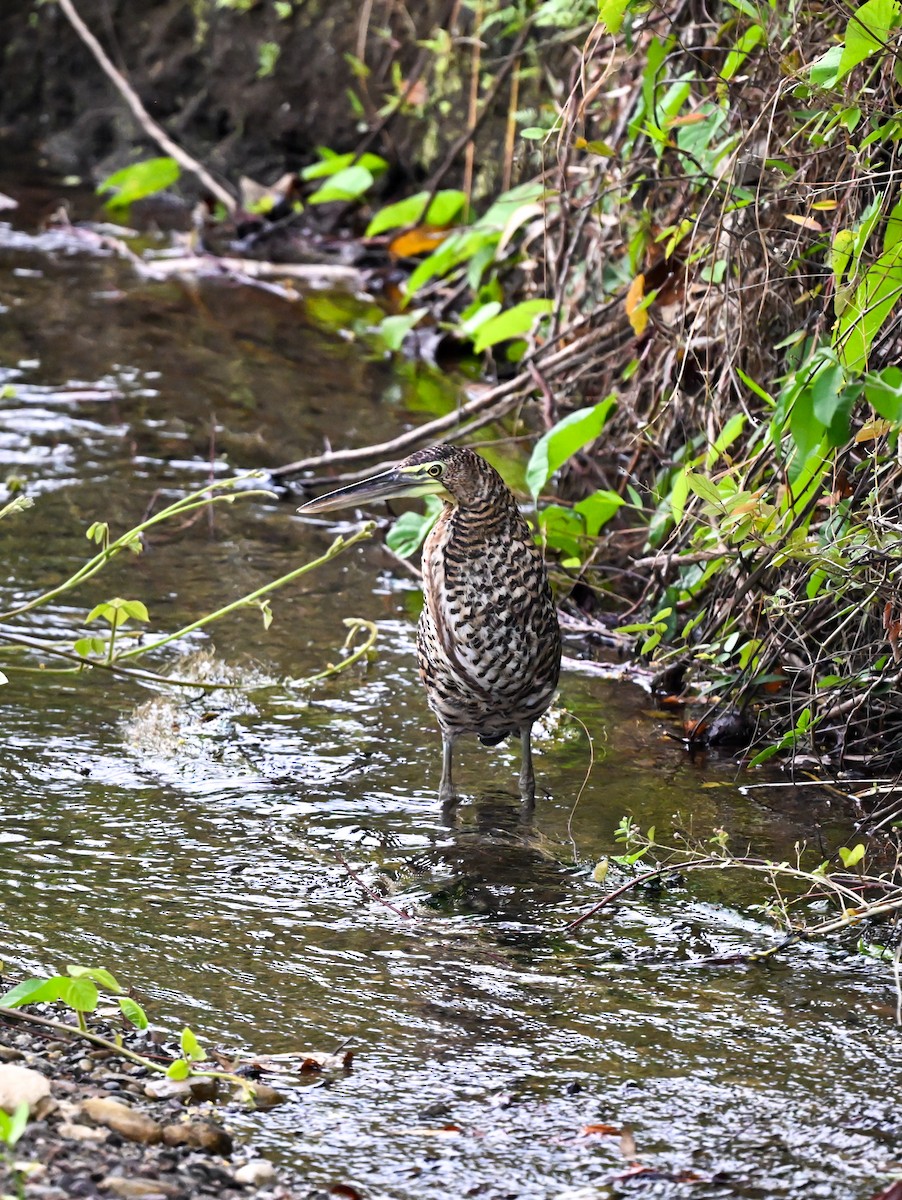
[[103, 1127], [243, 91]]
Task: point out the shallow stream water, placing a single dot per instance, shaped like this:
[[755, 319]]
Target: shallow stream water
[[272, 867]]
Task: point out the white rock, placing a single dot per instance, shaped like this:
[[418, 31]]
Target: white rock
[[21, 1085], [257, 1172]]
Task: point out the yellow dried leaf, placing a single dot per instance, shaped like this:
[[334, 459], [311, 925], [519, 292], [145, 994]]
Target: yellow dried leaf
[[805, 222], [634, 297], [421, 240], [873, 429]]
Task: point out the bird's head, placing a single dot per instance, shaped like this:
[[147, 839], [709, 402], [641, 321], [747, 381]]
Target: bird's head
[[455, 473]]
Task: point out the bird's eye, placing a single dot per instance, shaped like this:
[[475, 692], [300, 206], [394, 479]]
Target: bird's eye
[[434, 470]]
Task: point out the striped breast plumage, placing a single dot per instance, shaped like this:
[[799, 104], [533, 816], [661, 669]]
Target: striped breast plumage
[[488, 641]]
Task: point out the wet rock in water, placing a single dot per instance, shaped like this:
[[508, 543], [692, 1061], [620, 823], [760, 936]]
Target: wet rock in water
[[130, 1124], [199, 1135], [256, 1173], [21, 1085], [263, 1096]]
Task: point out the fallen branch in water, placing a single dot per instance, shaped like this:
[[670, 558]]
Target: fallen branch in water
[[140, 113]]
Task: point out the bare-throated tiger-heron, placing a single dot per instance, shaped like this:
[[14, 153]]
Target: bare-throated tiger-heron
[[488, 641]]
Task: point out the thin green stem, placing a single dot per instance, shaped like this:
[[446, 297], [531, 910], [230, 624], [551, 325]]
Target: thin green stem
[[336, 548]]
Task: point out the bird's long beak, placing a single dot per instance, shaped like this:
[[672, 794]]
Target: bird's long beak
[[394, 484]]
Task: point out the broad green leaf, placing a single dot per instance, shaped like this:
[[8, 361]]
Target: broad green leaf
[[101, 976], [394, 329], [444, 208], [349, 184], [823, 71], [33, 991], [873, 300], [748, 40], [597, 509], [331, 163], [841, 253], [132, 1011], [510, 324], [563, 530], [611, 14], [80, 994], [867, 33], [191, 1047], [679, 494], [410, 530], [88, 646], [726, 438], [851, 858], [567, 437], [14, 1125], [826, 392], [883, 392], [704, 487], [104, 609], [134, 609], [807, 431], [139, 180], [178, 1069]]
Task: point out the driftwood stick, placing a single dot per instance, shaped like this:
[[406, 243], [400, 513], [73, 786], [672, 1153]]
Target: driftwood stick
[[140, 113]]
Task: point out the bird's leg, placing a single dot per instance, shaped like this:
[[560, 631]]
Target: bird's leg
[[446, 787], [527, 774]]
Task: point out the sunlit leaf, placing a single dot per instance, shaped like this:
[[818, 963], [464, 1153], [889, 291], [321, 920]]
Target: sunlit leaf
[[514, 322], [867, 33], [394, 329], [410, 530], [132, 1011], [191, 1047], [105, 978], [611, 14], [33, 991], [568, 436], [139, 180], [178, 1069], [444, 208], [80, 994], [851, 858], [597, 509], [349, 184], [331, 164]]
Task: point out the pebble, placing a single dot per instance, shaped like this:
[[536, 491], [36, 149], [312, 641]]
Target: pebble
[[80, 1133], [133, 1125], [199, 1135], [133, 1189], [256, 1173], [21, 1085]]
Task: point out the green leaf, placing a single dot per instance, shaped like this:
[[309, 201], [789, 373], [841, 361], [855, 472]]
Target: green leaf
[[597, 509], [510, 324], [132, 1011], [748, 40], [611, 14], [444, 208], [410, 530], [135, 610], [883, 391], [90, 646], [867, 33], [567, 437], [33, 991], [349, 184], [872, 302], [12, 1125], [704, 487], [191, 1047], [823, 71], [331, 164], [392, 330], [178, 1069], [851, 858], [106, 980], [80, 994], [563, 530], [139, 180]]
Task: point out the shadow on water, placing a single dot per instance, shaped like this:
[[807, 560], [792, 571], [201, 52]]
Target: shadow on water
[[275, 870]]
